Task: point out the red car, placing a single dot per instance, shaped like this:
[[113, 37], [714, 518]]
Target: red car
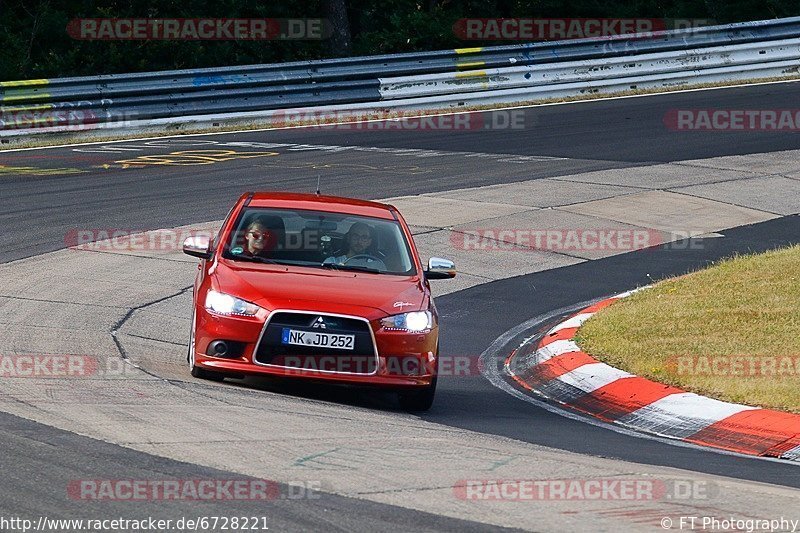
[[316, 287]]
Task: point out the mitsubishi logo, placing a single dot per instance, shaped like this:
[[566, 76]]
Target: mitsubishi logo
[[319, 323]]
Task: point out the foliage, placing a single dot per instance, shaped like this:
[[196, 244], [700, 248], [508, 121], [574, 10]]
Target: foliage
[[34, 42]]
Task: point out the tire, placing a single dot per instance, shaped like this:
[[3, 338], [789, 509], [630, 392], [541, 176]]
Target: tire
[[418, 400], [195, 370]]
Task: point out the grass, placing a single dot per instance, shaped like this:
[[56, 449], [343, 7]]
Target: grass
[[715, 332]]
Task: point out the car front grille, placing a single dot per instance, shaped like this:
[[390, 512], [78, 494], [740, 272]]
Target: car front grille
[[360, 360]]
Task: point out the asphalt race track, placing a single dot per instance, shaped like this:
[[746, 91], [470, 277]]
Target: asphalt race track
[[524, 297], [31, 469], [146, 185], [94, 191]]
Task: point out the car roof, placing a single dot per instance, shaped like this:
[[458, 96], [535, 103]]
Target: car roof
[[314, 202]]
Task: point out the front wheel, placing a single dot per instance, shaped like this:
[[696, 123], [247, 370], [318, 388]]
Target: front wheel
[[418, 400]]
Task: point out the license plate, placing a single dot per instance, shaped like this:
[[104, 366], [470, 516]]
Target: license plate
[[318, 340]]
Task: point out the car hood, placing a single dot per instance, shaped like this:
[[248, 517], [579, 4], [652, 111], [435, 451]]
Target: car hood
[[312, 289]]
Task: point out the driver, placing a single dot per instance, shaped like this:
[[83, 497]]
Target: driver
[[260, 239], [359, 241]]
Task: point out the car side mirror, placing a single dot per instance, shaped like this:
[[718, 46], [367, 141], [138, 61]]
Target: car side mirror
[[198, 246], [439, 268]]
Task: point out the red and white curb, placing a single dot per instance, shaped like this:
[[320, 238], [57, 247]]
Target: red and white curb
[[557, 369]]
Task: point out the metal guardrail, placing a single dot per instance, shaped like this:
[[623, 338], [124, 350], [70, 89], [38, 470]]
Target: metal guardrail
[[442, 78], [698, 61]]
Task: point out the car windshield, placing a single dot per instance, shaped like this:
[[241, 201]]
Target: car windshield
[[320, 239]]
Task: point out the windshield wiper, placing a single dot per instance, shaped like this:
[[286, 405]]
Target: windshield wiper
[[334, 266], [257, 259]]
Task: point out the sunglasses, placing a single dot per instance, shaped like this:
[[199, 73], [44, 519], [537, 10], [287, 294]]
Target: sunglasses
[[258, 235]]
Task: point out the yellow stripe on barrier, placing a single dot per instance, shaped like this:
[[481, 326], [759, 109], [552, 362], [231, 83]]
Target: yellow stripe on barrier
[[41, 120], [23, 94], [468, 50], [26, 90], [472, 74], [465, 66], [23, 83], [22, 108]]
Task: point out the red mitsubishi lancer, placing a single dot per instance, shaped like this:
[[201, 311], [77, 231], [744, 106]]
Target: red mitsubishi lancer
[[316, 287]]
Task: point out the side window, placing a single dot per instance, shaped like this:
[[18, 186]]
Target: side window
[[218, 236]]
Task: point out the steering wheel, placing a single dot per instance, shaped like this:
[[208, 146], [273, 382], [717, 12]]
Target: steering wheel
[[360, 256]]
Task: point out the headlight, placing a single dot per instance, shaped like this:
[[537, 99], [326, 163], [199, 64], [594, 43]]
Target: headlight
[[225, 304], [414, 321]]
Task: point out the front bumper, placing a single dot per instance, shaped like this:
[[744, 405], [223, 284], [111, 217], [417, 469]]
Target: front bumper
[[399, 359]]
